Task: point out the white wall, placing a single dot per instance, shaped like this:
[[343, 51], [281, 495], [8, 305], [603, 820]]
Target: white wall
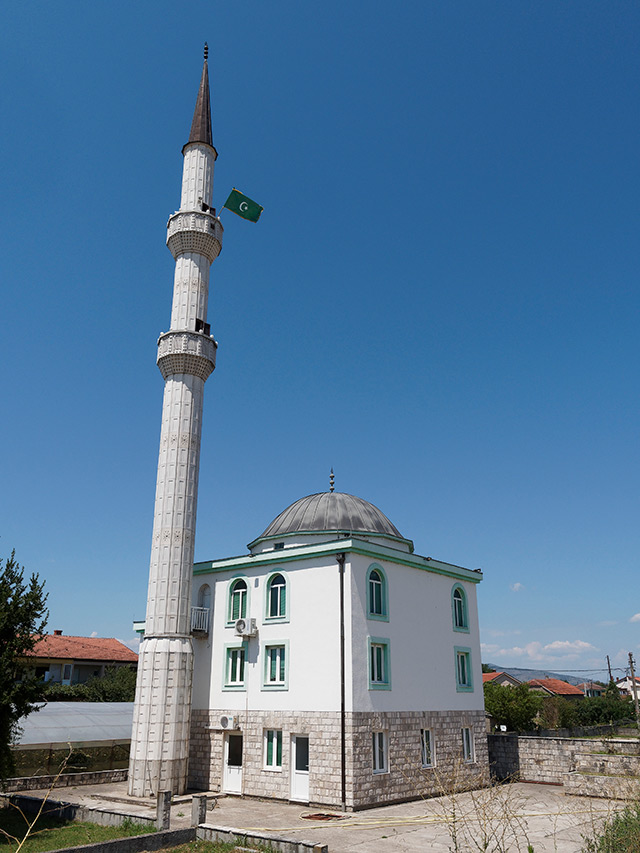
[[422, 641]]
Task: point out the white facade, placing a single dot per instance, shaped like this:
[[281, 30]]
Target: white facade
[[402, 669]]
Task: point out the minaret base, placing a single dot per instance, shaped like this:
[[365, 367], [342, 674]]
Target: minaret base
[[163, 712]]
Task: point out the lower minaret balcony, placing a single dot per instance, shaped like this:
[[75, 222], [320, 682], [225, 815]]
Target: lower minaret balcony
[[195, 231], [186, 352], [200, 620]]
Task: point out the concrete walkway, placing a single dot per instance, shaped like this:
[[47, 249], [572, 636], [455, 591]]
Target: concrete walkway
[[516, 814]]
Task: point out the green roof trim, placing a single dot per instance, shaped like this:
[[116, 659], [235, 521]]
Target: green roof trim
[[352, 546]]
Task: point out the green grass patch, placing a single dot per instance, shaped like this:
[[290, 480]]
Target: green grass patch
[[52, 834], [200, 846], [620, 834]]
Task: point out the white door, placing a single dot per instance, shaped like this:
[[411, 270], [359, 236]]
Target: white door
[[232, 776], [300, 768]]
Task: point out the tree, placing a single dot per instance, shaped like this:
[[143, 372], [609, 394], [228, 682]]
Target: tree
[[23, 618], [513, 707], [117, 685]]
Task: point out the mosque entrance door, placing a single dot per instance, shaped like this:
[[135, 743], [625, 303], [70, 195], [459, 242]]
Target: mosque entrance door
[[300, 768], [232, 776]]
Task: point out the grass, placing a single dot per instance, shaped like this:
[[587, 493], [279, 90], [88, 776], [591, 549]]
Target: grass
[[51, 834], [215, 847], [620, 834]]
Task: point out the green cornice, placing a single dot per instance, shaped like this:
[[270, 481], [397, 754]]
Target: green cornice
[[323, 549]]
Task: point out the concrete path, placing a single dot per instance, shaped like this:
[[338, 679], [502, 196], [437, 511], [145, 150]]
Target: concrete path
[[514, 815]]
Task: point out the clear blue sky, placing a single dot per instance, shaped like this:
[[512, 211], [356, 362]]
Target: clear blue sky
[[440, 299]]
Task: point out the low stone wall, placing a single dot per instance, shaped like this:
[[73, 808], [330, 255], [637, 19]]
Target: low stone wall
[[73, 811], [528, 758], [138, 843], [275, 842], [68, 780]]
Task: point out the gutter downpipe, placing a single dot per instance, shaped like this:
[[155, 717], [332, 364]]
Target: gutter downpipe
[[340, 558]]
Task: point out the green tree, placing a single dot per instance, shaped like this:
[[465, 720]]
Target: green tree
[[117, 685], [23, 618], [513, 707]]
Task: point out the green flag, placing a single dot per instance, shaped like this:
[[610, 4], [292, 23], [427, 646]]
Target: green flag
[[243, 206]]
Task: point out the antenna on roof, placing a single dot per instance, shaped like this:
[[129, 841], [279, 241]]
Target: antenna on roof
[[331, 481]]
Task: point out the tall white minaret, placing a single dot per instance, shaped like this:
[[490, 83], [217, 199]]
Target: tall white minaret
[[186, 357]]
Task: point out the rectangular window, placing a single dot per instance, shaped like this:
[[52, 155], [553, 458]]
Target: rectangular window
[[379, 671], [467, 745], [464, 677], [275, 673], [235, 666], [426, 743], [273, 749], [380, 757]]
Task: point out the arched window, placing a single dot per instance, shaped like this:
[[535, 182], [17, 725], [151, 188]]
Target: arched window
[[459, 607], [377, 593], [204, 596], [237, 600], [276, 604]]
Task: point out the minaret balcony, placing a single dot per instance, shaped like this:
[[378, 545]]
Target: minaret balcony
[[194, 231], [186, 352], [199, 620]]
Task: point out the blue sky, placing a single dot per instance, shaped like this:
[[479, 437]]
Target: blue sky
[[440, 299]]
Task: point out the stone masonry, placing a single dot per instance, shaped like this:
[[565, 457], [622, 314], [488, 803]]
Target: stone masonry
[[406, 779]]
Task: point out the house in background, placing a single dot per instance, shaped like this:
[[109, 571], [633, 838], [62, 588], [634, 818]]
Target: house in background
[[556, 687], [334, 665], [625, 687], [501, 678], [74, 660], [592, 689]]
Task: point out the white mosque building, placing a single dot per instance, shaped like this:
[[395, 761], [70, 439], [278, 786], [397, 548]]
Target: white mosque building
[[333, 665], [330, 664]]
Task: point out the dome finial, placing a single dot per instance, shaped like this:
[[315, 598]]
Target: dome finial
[[331, 481], [206, 51]]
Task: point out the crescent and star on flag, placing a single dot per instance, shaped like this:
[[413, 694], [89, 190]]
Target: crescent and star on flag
[[243, 206]]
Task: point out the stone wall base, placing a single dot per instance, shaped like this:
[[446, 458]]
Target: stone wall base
[[404, 778]]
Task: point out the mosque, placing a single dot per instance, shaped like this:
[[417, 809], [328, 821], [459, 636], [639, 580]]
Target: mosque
[[330, 664]]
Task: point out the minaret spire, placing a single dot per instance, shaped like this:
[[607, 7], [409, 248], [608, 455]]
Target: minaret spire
[[201, 124], [186, 358]]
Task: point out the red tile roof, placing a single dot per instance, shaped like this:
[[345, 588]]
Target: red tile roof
[[555, 685], [83, 648], [489, 676]]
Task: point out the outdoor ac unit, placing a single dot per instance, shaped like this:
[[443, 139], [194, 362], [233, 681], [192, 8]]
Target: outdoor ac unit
[[228, 722], [246, 627]]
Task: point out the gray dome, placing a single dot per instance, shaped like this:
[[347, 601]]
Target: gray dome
[[331, 511]]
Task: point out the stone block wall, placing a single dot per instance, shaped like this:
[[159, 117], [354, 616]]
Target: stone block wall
[[404, 780], [547, 759]]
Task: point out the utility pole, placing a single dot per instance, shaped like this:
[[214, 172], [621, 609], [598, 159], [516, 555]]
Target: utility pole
[[635, 689], [609, 668]]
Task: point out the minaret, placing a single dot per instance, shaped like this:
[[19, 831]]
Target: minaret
[[186, 357]]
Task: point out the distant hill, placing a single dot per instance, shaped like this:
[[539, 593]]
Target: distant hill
[[529, 674]]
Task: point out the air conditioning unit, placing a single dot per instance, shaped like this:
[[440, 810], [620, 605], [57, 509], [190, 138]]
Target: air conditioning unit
[[228, 722], [246, 627]]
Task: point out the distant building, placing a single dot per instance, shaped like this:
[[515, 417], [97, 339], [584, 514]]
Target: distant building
[[74, 660], [556, 687], [624, 685], [592, 689], [501, 678]]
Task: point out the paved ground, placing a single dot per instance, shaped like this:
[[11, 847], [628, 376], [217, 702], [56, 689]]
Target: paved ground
[[515, 814]]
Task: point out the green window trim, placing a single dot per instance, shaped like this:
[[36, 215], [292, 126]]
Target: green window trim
[[273, 749], [463, 670], [237, 599], [276, 598], [427, 748], [468, 745], [235, 656], [379, 663], [459, 609], [377, 593], [275, 666]]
